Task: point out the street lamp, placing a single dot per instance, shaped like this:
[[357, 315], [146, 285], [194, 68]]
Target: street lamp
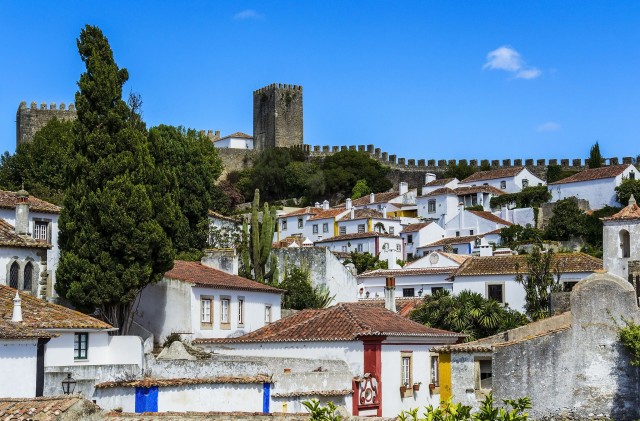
[[68, 385]]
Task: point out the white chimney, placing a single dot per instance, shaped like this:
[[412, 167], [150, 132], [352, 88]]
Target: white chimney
[[372, 198], [461, 215], [348, 204], [485, 248], [325, 205], [317, 204], [17, 308], [384, 211], [390, 294], [353, 213], [429, 177], [404, 187], [22, 212]]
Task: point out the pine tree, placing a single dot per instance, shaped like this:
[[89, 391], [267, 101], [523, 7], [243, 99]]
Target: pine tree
[[112, 243]]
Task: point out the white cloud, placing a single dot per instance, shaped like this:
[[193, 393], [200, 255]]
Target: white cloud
[[549, 126], [248, 14], [508, 59]]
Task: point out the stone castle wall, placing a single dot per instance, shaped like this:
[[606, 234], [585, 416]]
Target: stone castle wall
[[277, 116], [30, 120]]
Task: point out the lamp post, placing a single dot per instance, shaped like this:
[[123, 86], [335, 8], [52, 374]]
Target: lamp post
[[68, 385]]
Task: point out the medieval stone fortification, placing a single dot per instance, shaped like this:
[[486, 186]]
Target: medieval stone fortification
[[30, 120]]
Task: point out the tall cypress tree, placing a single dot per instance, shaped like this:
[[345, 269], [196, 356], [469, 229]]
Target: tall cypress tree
[[595, 157], [112, 243]]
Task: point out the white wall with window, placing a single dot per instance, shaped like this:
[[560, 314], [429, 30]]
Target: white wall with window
[[388, 247], [510, 184], [92, 347], [408, 284], [420, 237], [440, 207], [353, 226]]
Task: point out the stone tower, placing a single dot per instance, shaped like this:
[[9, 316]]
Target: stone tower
[[30, 120], [277, 116]]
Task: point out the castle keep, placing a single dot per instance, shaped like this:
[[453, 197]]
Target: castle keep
[[30, 120], [277, 116]]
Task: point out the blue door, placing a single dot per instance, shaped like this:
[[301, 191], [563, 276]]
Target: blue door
[[146, 399]]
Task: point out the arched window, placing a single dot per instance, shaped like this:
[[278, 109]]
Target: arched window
[[625, 244], [13, 275], [28, 276]]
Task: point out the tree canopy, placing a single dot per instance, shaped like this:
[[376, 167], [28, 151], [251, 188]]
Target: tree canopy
[[627, 188], [366, 261], [301, 293], [539, 282], [595, 157]]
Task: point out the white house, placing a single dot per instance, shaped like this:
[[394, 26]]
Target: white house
[[465, 244], [401, 203], [509, 180], [388, 355], [596, 185], [388, 247], [34, 242], [431, 183], [367, 220], [621, 242], [198, 301], [312, 222], [494, 276], [417, 235], [237, 140], [471, 222]]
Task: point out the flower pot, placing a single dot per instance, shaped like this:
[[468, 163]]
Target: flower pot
[[416, 386], [432, 386]]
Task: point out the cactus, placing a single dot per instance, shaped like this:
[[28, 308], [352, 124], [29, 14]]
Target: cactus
[[257, 238]]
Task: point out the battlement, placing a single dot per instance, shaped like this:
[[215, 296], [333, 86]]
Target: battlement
[[31, 119], [43, 106], [273, 86]]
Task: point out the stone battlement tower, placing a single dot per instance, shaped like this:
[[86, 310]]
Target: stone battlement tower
[[277, 116], [30, 120]]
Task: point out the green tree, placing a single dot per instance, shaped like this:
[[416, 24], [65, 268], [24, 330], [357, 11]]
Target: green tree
[[112, 242], [557, 173], [567, 220], [360, 189], [366, 261], [304, 179], [595, 158], [467, 312], [459, 170], [627, 188], [539, 282], [269, 173], [301, 293], [344, 169]]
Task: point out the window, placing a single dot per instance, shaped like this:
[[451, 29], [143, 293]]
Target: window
[[315, 228], [13, 275], [434, 370], [267, 313], [632, 175], [240, 311], [455, 250], [408, 292], [284, 225], [525, 183], [470, 232], [410, 239], [300, 223], [359, 248], [344, 248], [385, 246], [224, 311], [482, 373], [40, 229], [80, 346], [398, 247], [496, 292], [431, 206], [503, 185], [28, 276], [409, 256], [360, 228], [205, 310], [457, 233], [325, 227], [625, 244], [436, 289], [342, 230], [392, 230], [406, 372]]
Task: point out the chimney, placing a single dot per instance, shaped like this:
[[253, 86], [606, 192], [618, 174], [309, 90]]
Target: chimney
[[461, 215], [17, 308], [504, 212], [22, 212], [317, 204], [390, 294], [485, 248], [384, 211], [349, 203], [404, 187], [429, 177], [325, 205], [372, 198], [353, 213]]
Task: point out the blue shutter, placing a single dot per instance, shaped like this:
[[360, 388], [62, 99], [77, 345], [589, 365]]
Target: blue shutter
[[146, 399]]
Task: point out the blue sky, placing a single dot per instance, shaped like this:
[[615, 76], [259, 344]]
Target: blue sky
[[421, 79]]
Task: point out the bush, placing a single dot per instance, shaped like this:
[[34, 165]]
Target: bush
[[528, 197], [630, 338], [514, 410]]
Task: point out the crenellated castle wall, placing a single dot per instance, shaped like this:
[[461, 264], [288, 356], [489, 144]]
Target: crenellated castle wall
[[30, 120]]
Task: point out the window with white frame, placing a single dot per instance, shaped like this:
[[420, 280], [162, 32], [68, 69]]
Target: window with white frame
[[398, 247], [431, 206], [410, 239], [284, 225], [205, 310], [406, 375], [325, 227], [240, 310], [360, 228], [40, 230], [225, 309], [434, 370], [267, 313], [342, 230], [300, 222], [315, 228], [81, 346]]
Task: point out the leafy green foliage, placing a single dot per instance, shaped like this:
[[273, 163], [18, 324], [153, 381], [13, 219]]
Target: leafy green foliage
[[301, 293], [539, 283], [627, 188], [344, 169], [630, 337], [360, 189], [514, 234], [567, 220], [318, 412], [528, 197], [514, 410], [595, 157], [460, 170], [366, 261], [557, 173], [304, 179], [111, 233], [270, 175], [467, 312], [475, 208]]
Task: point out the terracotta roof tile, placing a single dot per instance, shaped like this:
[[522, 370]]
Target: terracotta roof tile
[[217, 215], [509, 264], [238, 135], [458, 258], [342, 322], [370, 234], [9, 238], [490, 217], [364, 214], [202, 275], [594, 174], [414, 227], [407, 272], [40, 314], [440, 191], [47, 408], [312, 393], [629, 212], [493, 174], [309, 210], [151, 382], [378, 198], [327, 213], [453, 240], [440, 182], [8, 201], [17, 330], [462, 191]]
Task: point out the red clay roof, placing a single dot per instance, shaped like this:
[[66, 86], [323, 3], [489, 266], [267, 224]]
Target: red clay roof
[[17, 330], [151, 382], [404, 305], [342, 322], [364, 214], [408, 272], [370, 234], [462, 191], [491, 217], [594, 174], [328, 213], [45, 408], [309, 210], [440, 182], [199, 274], [629, 212], [493, 174], [239, 135], [8, 201], [510, 264], [9, 238], [378, 198], [453, 240], [40, 314], [414, 227]]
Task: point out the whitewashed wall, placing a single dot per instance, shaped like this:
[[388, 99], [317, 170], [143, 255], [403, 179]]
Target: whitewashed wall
[[165, 307], [446, 204], [103, 349], [612, 258], [21, 256], [375, 286], [18, 365], [234, 143], [514, 184]]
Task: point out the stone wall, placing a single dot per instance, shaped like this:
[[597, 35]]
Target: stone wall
[[235, 159], [86, 376], [30, 120], [546, 211]]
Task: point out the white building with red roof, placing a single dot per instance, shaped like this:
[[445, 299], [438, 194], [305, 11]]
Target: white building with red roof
[[418, 235], [312, 222], [621, 243], [388, 247], [472, 222], [441, 204], [400, 203], [596, 185], [237, 140], [508, 180]]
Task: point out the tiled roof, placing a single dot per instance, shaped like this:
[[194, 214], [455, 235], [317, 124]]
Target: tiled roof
[[404, 305], [510, 264], [342, 322], [490, 217], [441, 191], [458, 258], [370, 234], [40, 314], [8, 201], [414, 227], [462, 191], [239, 135], [631, 211], [16, 330], [9, 238], [493, 174], [217, 215], [462, 348], [363, 214], [377, 198], [202, 275], [46, 408], [326, 213], [440, 182], [594, 174], [453, 240], [407, 272], [309, 210], [312, 393], [151, 382]]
